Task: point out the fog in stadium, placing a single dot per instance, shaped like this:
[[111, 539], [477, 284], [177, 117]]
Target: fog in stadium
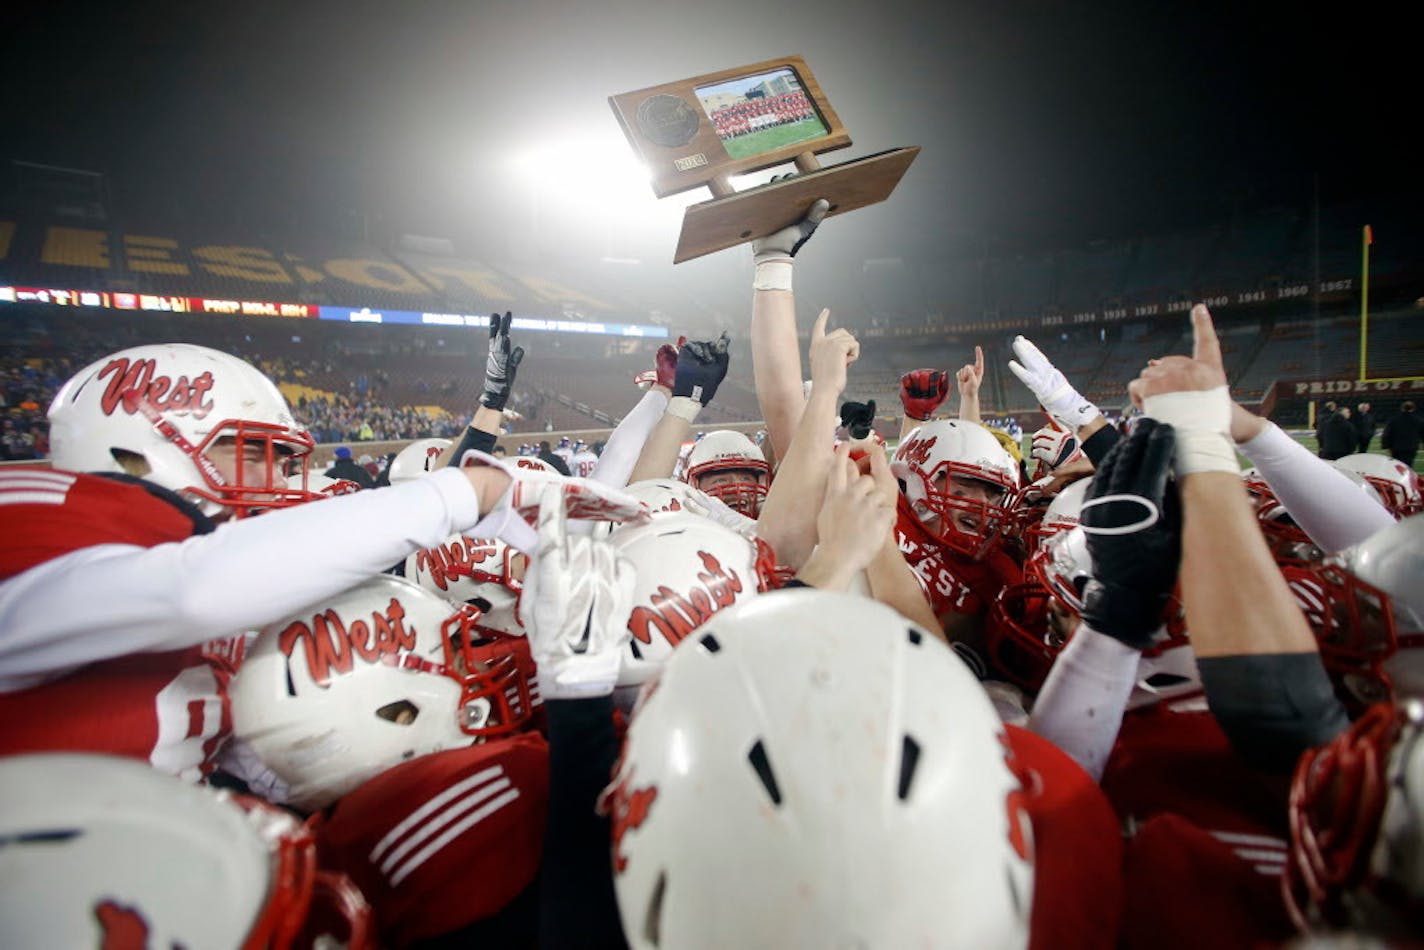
[[487, 122]]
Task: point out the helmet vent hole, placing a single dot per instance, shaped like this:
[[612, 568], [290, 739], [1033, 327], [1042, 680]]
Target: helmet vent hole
[[1164, 680], [709, 643], [909, 758], [402, 712], [633, 645], [291, 686], [762, 766], [915, 636], [653, 922]]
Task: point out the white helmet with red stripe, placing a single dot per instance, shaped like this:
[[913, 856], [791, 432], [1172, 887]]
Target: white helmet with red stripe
[[865, 791], [101, 851], [1397, 483], [728, 466], [960, 482], [417, 459], [163, 407], [367, 679]]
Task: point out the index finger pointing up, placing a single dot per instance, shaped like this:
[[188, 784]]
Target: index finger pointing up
[[1205, 346]]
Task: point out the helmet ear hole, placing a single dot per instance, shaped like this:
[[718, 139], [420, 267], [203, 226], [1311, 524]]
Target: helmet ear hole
[[131, 462], [402, 712]]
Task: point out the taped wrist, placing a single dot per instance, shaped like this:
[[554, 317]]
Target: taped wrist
[[1202, 419], [1272, 706], [684, 407], [773, 274]]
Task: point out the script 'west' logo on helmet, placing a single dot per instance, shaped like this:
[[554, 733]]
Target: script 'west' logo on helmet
[[916, 451], [674, 615], [134, 383], [628, 809], [124, 928], [453, 560], [329, 643]]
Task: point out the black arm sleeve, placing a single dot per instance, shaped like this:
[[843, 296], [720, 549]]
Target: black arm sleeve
[[578, 907], [1096, 446], [1272, 706], [473, 439]]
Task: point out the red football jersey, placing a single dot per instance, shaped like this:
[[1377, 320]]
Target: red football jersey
[[1077, 846], [444, 840], [168, 708], [952, 582]]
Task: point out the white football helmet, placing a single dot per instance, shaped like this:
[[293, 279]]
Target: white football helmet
[[688, 568], [483, 572], [100, 851], [1357, 828], [370, 678], [417, 459], [931, 456], [1369, 621], [1397, 483], [728, 466], [864, 791], [168, 404]]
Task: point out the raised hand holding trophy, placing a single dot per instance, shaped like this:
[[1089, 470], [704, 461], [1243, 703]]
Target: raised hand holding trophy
[[703, 130]]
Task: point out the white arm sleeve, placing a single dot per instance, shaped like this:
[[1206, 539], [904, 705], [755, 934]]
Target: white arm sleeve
[[1081, 704], [115, 599], [1326, 505], [625, 444]]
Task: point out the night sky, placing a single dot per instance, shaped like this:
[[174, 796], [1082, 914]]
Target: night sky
[[1042, 123]]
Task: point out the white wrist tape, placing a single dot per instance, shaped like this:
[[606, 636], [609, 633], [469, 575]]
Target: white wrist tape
[[773, 275], [684, 407], [1202, 419]]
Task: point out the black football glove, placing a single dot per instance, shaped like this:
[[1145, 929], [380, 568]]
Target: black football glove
[[1132, 517], [502, 364], [701, 367], [858, 418]]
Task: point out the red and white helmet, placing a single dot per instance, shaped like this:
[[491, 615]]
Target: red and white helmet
[[1366, 607], [933, 454], [865, 794], [417, 459], [483, 572], [1357, 828], [101, 851], [321, 486], [688, 568], [729, 452], [372, 677], [1031, 622], [168, 404], [1397, 483]]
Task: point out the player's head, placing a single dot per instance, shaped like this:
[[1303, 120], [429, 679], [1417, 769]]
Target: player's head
[[1397, 483], [370, 678], [1366, 606], [417, 459], [727, 465], [687, 568], [1357, 828], [862, 779], [102, 851], [190, 419], [959, 481], [484, 573]]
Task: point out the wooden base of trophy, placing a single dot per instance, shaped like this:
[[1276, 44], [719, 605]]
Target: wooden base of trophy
[[736, 217]]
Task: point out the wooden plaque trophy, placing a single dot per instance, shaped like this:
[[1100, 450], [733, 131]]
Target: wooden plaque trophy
[[703, 130]]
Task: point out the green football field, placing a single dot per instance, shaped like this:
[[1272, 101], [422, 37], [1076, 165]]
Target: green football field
[[764, 141]]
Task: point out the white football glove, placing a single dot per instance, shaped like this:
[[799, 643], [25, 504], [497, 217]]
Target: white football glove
[[1053, 447], [1050, 386], [579, 592], [513, 516]]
